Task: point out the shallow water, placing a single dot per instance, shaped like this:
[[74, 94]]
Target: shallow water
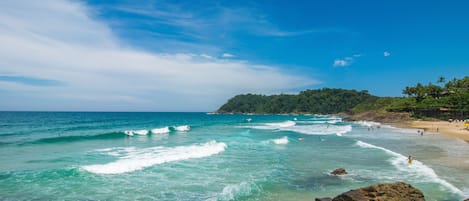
[[197, 156]]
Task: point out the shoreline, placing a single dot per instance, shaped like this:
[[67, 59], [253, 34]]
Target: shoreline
[[451, 129]]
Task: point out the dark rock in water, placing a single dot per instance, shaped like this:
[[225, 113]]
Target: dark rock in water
[[323, 199], [339, 171], [398, 191]]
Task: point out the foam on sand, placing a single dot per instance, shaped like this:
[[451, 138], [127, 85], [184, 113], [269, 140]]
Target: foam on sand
[[368, 123], [418, 171], [133, 159], [160, 130]]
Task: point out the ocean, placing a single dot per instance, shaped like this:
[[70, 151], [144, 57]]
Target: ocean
[[201, 156]]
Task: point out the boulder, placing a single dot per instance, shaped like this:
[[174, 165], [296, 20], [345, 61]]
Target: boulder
[[339, 171], [398, 191]]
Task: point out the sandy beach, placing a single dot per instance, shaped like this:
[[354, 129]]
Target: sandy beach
[[452, 129]]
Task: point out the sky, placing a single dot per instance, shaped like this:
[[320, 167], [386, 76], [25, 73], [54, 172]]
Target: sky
[[105, 55]]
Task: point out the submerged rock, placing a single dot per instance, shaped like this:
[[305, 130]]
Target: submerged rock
[[339, 171], [398, 191]]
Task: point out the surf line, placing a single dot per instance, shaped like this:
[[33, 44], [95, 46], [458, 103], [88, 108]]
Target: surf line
[[417, 168]]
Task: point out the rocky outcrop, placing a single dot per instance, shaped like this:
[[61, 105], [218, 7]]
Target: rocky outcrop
[[323, 199], [398, 191], [339, 171], [380, 116]]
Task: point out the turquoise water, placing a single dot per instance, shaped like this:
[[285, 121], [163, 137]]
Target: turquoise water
[[198, 156]]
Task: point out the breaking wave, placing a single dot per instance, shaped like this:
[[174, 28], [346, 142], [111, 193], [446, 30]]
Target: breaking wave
[[160, 130], [133, 159], [418, 171], [320, 129]]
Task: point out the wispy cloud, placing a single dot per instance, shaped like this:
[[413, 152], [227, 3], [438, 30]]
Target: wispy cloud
[[29, 80], [347, 61], [60, 42], [386, 54], [341, 63]]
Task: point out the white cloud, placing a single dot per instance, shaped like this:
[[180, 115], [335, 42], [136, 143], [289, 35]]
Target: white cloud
[[386, 54], [347, 61], [341, 63], [58, 40], [227, 55]]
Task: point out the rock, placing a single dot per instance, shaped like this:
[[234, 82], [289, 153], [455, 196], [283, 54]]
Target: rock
[[323, 199], [398, 191], [339, 171]]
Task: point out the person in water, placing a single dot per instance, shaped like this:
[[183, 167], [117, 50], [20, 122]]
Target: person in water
[[409, 159]]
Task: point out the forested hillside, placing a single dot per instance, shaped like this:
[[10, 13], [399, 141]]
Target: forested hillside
[[320, 101], [442, 100]]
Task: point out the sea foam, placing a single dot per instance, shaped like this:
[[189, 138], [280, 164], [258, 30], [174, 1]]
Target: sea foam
[[283, 140], [133, 159], [418, 171], [320, 129], [160, 130], [183, 128], [235, 191], [281, 124]]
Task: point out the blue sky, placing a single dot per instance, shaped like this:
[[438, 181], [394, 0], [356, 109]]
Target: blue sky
[[193, 56]]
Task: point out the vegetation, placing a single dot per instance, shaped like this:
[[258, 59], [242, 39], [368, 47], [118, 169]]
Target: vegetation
[[441, 100], [323, 101], [444, 100]]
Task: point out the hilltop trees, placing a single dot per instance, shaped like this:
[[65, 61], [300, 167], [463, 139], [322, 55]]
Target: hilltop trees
[[324, 101]]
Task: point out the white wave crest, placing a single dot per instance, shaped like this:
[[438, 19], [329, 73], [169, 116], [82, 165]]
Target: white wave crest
[[281, 124], [283, 140], [141, 132], [183, 128], [368, 123], [132, 159], [320, 129], [417, 171], [136, 132], [160, 130], [274, 126], [129, 133]]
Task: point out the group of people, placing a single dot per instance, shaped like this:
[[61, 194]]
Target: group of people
[[420, 132]]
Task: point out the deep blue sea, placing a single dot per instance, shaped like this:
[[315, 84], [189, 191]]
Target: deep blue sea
[[199, 156]]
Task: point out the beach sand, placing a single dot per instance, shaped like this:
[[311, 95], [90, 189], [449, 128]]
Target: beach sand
[[452, 129]]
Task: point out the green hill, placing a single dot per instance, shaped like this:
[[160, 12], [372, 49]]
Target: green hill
[[320, 101], [442, 101]]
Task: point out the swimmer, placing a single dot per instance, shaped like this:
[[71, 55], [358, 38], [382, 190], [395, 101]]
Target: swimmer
[[301, 138], [409, 160]]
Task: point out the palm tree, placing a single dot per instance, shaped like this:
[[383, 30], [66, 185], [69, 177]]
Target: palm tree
[[441, 79]]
